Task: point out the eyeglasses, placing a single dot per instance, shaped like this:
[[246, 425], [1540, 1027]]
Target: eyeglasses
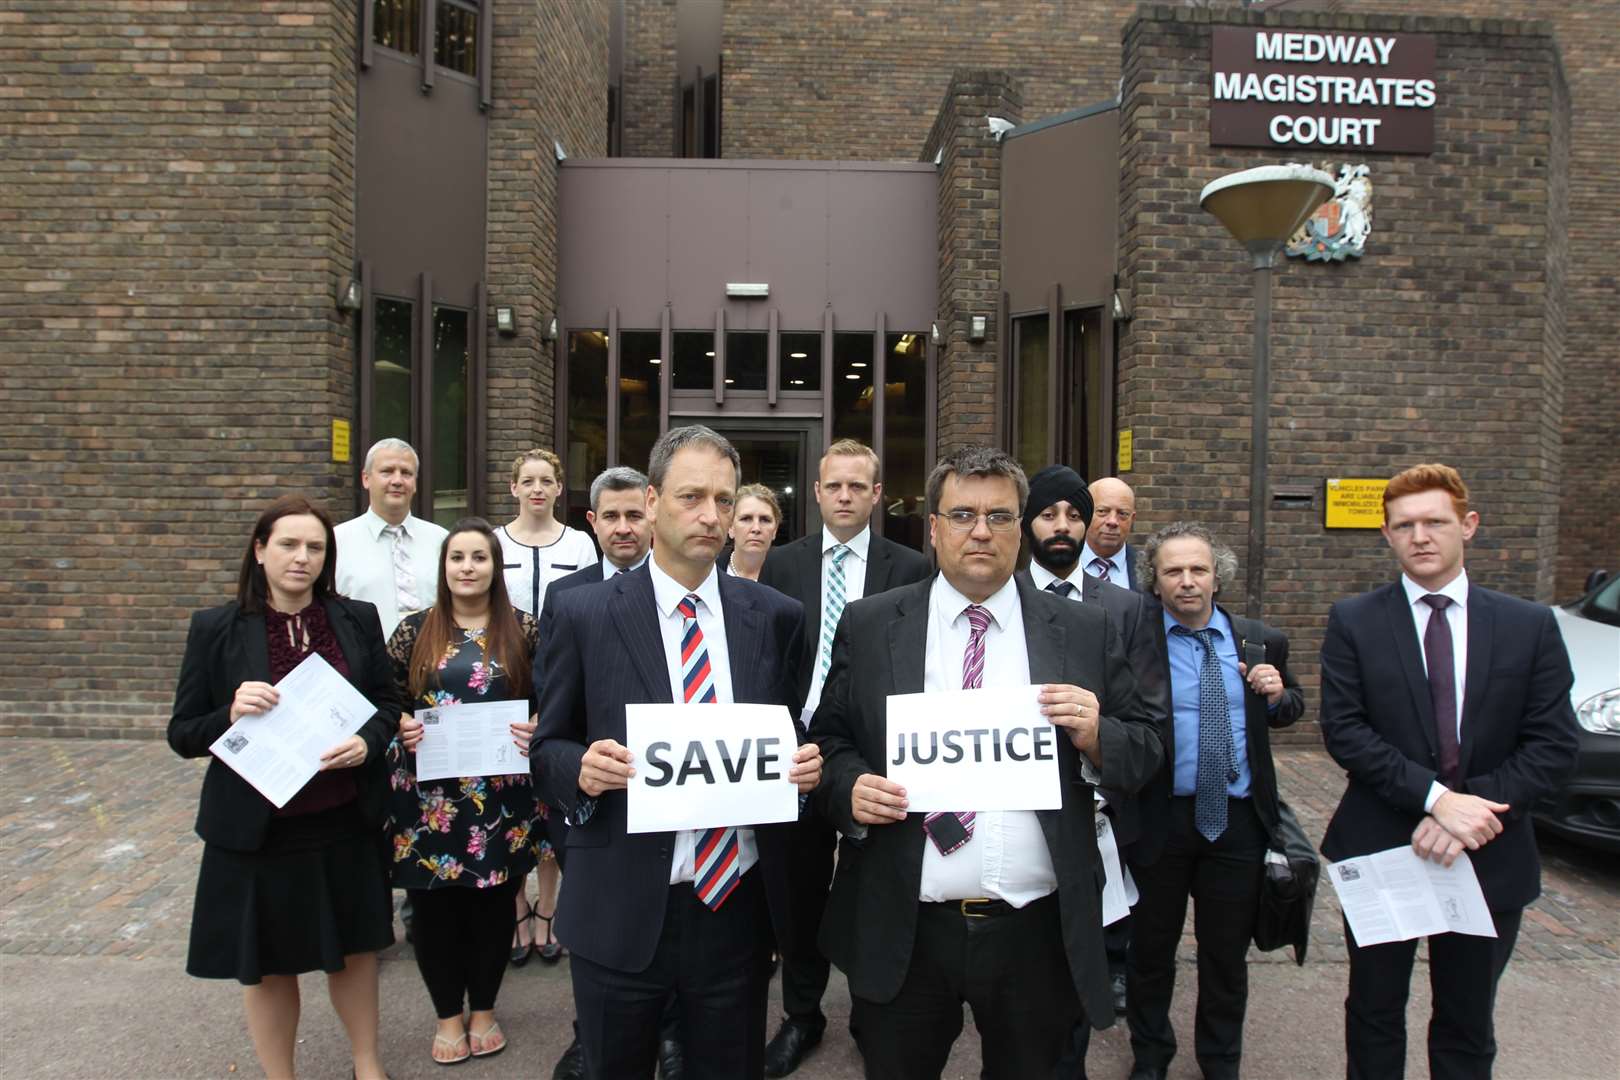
[[999, 520]]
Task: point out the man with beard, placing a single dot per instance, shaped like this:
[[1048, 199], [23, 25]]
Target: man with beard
[[1056, 519]]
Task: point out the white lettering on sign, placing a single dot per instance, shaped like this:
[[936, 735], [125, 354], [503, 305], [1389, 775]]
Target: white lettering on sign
[[1327, 130], [988, 749], [1324, 90], [1322, 48], [705, 766]]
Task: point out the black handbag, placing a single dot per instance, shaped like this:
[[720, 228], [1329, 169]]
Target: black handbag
[[1288, 888]]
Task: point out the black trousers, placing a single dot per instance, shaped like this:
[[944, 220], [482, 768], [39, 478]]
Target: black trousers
[[1463, 975], [715, 964], [804, 969], [1223, 879], [462, 936], [1012, 971]]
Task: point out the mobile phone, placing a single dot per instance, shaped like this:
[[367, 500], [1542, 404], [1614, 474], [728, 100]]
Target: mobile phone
[[1254, 653], [947, 831]]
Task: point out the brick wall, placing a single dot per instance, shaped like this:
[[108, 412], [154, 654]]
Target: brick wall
[[649, 78], [1441, 343], [179, 211], [550, 86]]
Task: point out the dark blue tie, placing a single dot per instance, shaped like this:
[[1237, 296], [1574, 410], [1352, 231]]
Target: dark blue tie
[[1214, 740]]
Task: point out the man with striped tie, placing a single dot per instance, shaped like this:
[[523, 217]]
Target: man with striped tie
[[691, 913], [1000, 910], [825, 571]]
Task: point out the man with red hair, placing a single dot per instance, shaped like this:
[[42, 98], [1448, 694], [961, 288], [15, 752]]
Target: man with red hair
[[1448, 706]]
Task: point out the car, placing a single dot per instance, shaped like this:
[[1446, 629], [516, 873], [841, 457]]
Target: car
[[1587, 810]]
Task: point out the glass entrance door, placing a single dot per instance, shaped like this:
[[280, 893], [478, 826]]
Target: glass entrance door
[[776, 453]]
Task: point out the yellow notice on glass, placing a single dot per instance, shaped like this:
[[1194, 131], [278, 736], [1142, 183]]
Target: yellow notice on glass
[[1354, 504], [1124, 450], [340, 440]]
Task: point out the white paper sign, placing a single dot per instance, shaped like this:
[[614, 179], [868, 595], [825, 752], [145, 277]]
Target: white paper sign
[[1119, 890], [1396, 895], [704, 766], [988, 749], [280, 750], [473, 739]]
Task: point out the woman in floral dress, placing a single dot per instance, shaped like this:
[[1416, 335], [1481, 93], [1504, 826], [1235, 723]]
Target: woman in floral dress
[[461, 847]]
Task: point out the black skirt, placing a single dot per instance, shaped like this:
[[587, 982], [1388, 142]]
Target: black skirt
[[317, 891]]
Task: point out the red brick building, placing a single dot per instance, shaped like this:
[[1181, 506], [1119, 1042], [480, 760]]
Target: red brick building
[[551, 214]]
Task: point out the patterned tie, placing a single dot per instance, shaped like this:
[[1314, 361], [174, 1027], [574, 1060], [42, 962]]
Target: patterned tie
[[1099, 567], [972, 679], [1214, 740], [1440, 657], [714, 863], [1062, 588], [405, 597], [832, 607]]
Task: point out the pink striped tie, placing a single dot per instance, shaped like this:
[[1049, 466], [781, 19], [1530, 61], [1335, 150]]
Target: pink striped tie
[[714, 863], [972, 679]]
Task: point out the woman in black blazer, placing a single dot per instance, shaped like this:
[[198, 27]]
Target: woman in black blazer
[[302, 888]]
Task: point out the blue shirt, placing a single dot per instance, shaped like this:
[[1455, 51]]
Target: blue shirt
[[1186, 660]]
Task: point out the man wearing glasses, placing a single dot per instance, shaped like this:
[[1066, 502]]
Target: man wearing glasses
[[1000, 910]]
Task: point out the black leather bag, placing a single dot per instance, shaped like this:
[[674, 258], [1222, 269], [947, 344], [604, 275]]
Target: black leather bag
[[1288, 888]]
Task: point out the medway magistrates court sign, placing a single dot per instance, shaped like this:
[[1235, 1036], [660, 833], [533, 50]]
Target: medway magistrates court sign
[[1290, 88]]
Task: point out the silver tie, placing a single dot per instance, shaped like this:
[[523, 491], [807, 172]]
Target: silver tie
[[405, 596]]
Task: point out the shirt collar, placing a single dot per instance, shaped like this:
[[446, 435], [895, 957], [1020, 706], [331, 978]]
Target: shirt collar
[[668, 593], [858, 544], [1218, 622], [376, 523], [608, 569], [1117, 559], [1456, 590], [1002, 604], [1044, 577]]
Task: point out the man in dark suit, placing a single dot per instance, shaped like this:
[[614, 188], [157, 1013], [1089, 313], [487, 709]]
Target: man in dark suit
[[1056, 518], [929, 911], [1448, 706], [1106, 553], [824, 571], [690, 913], [1208, 818]]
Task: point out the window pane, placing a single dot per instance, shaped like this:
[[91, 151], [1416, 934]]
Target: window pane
[[1087, 443], [1029, 393], [449, 441], [394, 24], [852, 387], [455, 42], [393, 324], [745, 359], [694, 360], [587, 411], [639, 365], [801, 361], [905, 446]]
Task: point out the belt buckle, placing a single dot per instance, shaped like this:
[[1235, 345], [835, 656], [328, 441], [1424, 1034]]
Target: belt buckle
[[963, 905]]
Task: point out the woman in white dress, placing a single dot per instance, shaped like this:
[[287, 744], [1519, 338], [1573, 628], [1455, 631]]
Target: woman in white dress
[[537, 549], [753, 530]]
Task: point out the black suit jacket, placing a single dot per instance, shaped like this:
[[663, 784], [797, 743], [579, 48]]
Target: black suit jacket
[[871, 918], [1258, 719], [585, 575], [1518, 729], [795, 569], [225, 648], [1128, 610], [602, 650]]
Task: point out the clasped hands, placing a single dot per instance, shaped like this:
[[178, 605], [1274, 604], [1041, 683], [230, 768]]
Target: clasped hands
[[608, 765], [1456, 823], [877, 800]]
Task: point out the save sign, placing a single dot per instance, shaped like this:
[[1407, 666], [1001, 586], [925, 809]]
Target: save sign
[[705, 766]]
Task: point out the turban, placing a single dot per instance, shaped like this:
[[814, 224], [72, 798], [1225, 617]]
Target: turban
[[1057, 483]]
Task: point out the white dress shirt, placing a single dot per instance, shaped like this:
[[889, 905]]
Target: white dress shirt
[[365, 563], [608, 569], [854, 567], [1456, 590], [1044, 577], [1006, 857], [1118, 572], [667, 595], [530, 570]]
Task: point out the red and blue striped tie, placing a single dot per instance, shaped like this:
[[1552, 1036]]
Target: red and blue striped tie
[[715, 869]]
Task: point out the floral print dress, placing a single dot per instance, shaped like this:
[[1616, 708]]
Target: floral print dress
[[477, 831]]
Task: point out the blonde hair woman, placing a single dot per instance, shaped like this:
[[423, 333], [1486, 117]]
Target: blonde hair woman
[[753, 530]]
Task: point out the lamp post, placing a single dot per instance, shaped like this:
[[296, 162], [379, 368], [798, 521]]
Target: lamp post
[[1263, 207]]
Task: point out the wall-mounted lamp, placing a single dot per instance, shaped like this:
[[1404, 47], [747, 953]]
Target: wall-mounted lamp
[[934, 335], [348, 297], [977, 328], [558, 151], [505, 322], [548, 331], [748, 290], [1123, 309]]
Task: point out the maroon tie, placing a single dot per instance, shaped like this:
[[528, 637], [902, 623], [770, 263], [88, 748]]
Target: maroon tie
[[1440, 658]]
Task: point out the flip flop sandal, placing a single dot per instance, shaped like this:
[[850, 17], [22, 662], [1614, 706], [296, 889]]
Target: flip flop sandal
[[452, 1044], [493, 1029]]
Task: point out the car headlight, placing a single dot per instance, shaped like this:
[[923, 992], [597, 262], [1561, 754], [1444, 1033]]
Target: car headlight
[[1600, 713]]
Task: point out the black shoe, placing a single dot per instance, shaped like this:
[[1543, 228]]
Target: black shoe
[[1140, 1071], [671, 1060], [1117, 984], [571, 1066], [791, 1045], [520, 951]]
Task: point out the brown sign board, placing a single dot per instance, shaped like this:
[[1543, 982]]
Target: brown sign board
[[1291, 88]]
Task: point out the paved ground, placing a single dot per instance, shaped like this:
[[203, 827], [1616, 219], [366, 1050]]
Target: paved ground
[[95, 907]]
